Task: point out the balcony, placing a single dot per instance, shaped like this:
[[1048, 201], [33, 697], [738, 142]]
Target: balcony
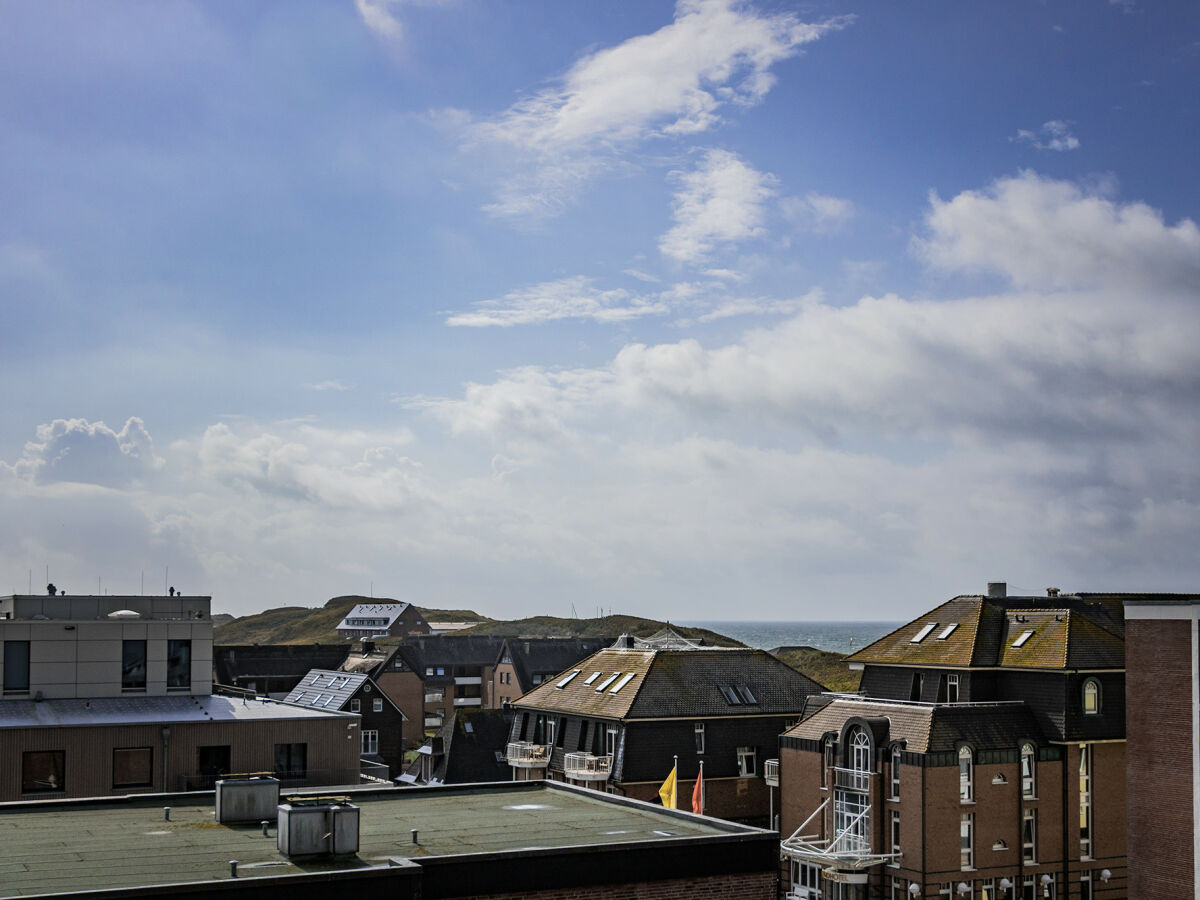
[[434, 721], [771, 772], [527, 755], [852, 779], [587, 767], [468, 701], [468, 679], [435, 697]]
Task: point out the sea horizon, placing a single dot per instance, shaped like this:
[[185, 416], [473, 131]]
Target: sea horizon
[[767, 634]]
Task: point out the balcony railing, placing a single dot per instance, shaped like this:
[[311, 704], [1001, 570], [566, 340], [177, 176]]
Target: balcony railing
[[468, 701], [527, 755], [852, 779], [468, 679], [587, 767], [771, 772]]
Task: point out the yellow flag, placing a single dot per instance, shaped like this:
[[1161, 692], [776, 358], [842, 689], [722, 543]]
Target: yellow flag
[[667, 791]]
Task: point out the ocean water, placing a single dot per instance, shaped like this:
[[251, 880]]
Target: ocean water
[[839, 637]]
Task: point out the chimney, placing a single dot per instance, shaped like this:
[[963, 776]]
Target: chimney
[[997, 589], [1051, 592]]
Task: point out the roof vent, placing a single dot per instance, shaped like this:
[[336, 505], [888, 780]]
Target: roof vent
[[1051, 592], [317, 826], [997, 589], [124, 614]]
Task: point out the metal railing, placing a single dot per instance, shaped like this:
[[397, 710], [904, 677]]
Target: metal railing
[[587, 766], [852, 779], [527, 754], [771, 772]]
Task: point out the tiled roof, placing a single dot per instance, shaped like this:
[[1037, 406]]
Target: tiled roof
[[238, 663], [549, 656], [673, 683], [925, 727], [1067, 631], [325, 689]]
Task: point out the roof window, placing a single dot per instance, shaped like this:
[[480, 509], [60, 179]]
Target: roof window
[[625, 679], [591, 678], [607, 681], [1020, 642], [562, 684], [730, 695], [949, 630], [746, 695], [923, 633]]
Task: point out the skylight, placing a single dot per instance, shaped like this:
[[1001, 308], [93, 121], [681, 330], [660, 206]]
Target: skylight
[[562, 684], [625, 679], [315, 678], [1020, 642], [746, 695], [591, 678], [923, 633], [730, 695], [949, 631], [607, 681]]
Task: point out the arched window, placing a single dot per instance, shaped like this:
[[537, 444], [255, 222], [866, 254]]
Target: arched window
[[860, 751], [1028, 771], [966, 774], [1091, 697]]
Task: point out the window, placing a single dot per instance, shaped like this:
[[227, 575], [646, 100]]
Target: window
[[730, 695], [1020, 642], [132, 767], [291, 760], [1085, 886], [42, 771], [429, 670], [1029, 887], [1085, 801], [918, 686], [895, 829], [551, 729], [356, 704], [625, 679], [179, 665], [377, 705], [699, 729], [370, 742], [16, 667], [966, 831], [948, 631], [826, 762], [952, 688], [860, 751], [1028, 771], [747, 762], [610, 741], [966, 775], [808, 877], [562, 684], [923, 633], [133, 665], [894, 770], [591, 678], [987, 889], [607, 681], [537, 678], [562, 732], [1029, 835], [745, 694], [1091, 697]]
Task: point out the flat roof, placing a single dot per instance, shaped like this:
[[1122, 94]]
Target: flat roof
[[150, 711], [63, 847]]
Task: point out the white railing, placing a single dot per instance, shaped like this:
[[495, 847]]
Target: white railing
[[468, 701], [852, 779], [468, 679], [771, 772], [527, 755], [587, 766], [434, 721], [435, 697]]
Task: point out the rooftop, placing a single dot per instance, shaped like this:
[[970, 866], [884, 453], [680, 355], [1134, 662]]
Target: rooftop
[[148, 710], [125, 842]]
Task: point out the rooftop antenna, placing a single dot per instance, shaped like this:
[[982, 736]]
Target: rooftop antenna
[[166, 571]]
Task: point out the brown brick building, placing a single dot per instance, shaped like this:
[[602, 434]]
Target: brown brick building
[[1162, 684], [984, 759]]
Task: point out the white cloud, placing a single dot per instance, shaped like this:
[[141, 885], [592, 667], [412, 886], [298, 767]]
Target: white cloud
[[330, 385], [576, 297], [89, 452], [719, 202], [1053, 135], [382, 16], [1054, 234], [676, 81], [821, 213]]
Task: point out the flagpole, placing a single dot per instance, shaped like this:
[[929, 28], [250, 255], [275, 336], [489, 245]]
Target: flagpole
[[675, 805]]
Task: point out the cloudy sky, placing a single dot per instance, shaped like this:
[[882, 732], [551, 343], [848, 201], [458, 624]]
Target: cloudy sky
[[706, 309]]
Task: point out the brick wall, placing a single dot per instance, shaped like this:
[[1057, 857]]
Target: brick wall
[[1159, 772]]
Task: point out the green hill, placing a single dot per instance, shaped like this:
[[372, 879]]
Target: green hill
[[312, 625], [552, 626], [825, 666]]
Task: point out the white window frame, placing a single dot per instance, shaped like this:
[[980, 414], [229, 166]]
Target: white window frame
[[894, 772], [1086, 810], [966, 842], [377, 704], [1029, 830], [1028, 771], [610, 740], [698, 729], [1092, 697], [370, 742], [747, 758], [894, 828], [966, 774], [826, 762], [952, 687]]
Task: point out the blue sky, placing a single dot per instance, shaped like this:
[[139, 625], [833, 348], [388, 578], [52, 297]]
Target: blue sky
[[697, 310]]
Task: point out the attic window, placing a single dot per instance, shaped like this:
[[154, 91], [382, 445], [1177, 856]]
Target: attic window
[[746, 695], [562, 684], [607, 681], [328, 700], [316, 699], [315, 679], [923, 633], [730, 695], [591, 678], [948, 631], [625, 679], [1020, 642]]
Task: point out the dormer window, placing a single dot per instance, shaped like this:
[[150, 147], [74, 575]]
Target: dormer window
[[923, 633]]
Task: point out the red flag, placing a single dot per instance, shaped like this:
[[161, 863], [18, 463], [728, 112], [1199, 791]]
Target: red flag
[[698, 794]]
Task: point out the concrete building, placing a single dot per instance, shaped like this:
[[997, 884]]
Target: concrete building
[[618, 720], [105, 695], [1162, 721], [983, 759], [537, 841]]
